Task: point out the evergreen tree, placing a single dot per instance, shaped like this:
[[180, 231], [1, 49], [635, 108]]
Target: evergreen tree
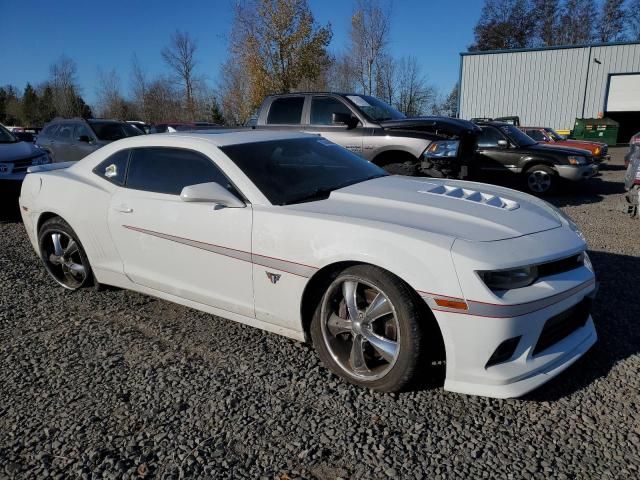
[[46, 108], [30, 114]]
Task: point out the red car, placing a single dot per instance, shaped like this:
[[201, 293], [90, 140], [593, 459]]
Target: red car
[[600, 151]]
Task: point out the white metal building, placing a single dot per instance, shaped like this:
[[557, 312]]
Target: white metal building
[[553, 86]]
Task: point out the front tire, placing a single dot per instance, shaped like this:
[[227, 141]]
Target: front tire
[[540, 179], [63, 255], [366, 329]]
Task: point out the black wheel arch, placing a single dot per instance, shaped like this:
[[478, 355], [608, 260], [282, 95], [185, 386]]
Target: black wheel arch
[[393, 156]]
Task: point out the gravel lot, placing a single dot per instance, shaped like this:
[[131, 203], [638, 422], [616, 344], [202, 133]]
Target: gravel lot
[[115, 384]]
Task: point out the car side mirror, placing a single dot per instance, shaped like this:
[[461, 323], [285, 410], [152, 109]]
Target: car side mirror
[[210, 192], [84, 138], [344, 118], [503, 144]]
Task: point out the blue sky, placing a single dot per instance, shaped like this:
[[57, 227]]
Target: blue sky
[[106, 35]]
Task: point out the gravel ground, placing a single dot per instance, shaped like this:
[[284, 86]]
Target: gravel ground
[[117, 385]]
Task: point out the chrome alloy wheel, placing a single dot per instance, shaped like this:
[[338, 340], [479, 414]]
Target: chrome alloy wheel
[[360, 328], [62, 258], [539, 181]]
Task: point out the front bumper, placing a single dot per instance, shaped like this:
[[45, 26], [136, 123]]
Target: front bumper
[[13, 177], [472, 340], [576, 173]]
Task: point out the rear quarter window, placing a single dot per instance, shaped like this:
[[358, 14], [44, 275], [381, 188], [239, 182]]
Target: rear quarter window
[[114, 168], [286, 111]]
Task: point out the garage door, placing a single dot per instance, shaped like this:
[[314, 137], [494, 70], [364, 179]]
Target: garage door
[[624, 93]]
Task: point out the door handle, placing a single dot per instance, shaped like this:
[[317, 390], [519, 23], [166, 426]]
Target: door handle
[[123, 209]]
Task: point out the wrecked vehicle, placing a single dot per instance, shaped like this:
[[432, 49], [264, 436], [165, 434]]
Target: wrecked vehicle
[[435, 146], [632, 183]]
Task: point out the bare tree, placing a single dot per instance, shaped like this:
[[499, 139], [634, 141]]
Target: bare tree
[[139, 85], [111, 102], [386, 81], [611, 24], [340, 74], [546, 16], [370, 30], [633, 19], [64, 84], [413, 92], [576, 22], [179, 55], [162, 101], [504, 24], [235, 88]]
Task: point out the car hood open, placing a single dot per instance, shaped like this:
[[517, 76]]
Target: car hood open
[[466, 210], [10, 152]]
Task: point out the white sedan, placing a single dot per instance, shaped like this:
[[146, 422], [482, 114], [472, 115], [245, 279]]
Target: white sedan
[[296, 235]]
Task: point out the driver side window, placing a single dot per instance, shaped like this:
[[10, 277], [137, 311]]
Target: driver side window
[[169, 170], [323, 107], [489, 137]]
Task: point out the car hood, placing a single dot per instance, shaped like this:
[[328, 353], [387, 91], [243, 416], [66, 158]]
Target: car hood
[[10, 152], [591, 146], [466, 210], [443, 126], [560, 149]]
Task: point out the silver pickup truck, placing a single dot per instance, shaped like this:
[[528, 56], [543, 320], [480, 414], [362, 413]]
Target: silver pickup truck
[[436, 146]]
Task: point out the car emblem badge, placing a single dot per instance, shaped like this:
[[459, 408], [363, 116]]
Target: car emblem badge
[[273, 277], [4, 168]]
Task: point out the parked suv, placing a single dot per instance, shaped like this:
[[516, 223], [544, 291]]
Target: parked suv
[[549, 136], [503, 147], [69, 140]]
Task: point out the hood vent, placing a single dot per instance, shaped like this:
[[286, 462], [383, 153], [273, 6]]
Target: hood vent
[[473, 196]]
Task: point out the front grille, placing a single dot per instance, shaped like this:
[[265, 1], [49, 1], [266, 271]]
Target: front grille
[[563, 325], [22, 165], [560, 266]]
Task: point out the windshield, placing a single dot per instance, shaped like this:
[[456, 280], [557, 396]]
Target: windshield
[[6, 136], [301, 169], [375, 109], [554, 135], [517, 136], [111, 131]]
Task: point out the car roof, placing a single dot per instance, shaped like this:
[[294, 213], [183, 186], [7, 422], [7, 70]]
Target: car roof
[[493, 124], [224, 137]]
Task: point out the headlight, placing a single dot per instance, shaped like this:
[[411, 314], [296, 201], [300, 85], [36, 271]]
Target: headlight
[[445, 148], [41, 160], [509, 279], [575, 160], [597, 151]]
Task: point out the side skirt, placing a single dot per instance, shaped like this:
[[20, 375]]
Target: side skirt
[[121, 281]]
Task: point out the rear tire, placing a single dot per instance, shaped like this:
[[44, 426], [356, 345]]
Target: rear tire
[[540, 179], [63, 255], [381, 349]]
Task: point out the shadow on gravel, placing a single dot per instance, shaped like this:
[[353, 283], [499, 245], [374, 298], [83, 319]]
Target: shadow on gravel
[[9, 208], [616, 311], [592, 191]]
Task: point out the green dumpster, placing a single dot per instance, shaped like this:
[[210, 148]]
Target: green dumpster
[[596, 129]]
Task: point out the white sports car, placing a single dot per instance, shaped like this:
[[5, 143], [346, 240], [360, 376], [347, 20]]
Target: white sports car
[[293, 234]]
